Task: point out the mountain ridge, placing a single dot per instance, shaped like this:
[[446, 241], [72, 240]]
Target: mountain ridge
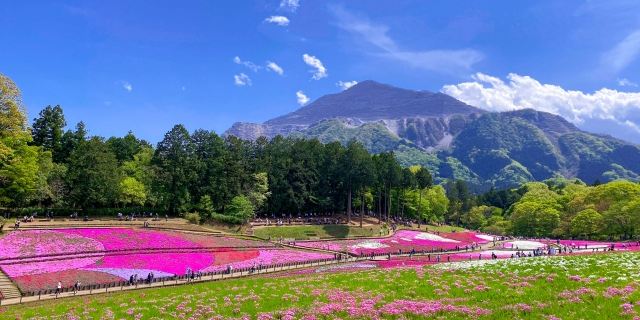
[[455, 140]]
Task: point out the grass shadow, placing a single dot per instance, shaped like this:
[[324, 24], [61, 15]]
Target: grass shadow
[[336, 231]]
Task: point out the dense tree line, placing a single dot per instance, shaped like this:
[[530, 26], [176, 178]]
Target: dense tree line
[[225, 178], [558, 208]]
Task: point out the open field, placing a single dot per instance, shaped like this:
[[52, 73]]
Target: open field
[[601, 286], [316, 231]]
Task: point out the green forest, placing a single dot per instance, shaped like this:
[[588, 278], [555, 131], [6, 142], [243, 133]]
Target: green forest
[[46, 167]]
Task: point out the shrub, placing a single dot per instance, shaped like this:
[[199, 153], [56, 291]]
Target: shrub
[[226, 219], [241, 207], [192, 217]]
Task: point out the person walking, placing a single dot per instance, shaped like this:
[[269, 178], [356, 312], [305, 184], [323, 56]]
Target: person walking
[[76, 287], [58, 288]]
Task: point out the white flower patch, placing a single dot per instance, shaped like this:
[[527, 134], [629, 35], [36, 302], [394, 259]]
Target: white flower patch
[[433, 237], [370, 244], [524, 245], [499, 253], [617, 267], [485, 237]]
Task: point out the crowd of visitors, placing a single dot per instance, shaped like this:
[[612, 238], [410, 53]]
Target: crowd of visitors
[[310, 218], [141, 215]]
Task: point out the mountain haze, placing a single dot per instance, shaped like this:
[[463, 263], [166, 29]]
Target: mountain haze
[[455, 140]]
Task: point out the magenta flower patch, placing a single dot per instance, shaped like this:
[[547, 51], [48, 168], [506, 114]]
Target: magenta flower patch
[[171, 263], [39, 259]]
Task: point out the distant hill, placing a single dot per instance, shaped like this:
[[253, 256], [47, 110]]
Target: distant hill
[[455, 140]]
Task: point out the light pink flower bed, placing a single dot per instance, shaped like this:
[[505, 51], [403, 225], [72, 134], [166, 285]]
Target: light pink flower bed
[[38, 259], [574, 244]]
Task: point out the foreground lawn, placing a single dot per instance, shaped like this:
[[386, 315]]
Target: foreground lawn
[[601, 286], [317, 231]]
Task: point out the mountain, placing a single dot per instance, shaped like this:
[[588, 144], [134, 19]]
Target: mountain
[[370, 101], [428, 119], [455, 140]]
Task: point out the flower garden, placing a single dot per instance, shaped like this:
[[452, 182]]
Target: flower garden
[[38, 259], [405, 240], [471, 285], [598, 286]]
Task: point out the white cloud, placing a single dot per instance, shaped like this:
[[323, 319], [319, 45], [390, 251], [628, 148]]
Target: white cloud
[[252, 66], [376, 35], [320, 71], [279, 20], [241, 80], [623, 53], [624, 82], [344, 85], [291, 5], [302, 98], [603, 111], [272, 66], [127, 86]]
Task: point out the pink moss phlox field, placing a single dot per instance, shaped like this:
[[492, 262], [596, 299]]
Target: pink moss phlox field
[[127, 239], [42, 242], [45, 242], [98, 255], [172, 263], [468, 237], [405, 240], [273, 256]]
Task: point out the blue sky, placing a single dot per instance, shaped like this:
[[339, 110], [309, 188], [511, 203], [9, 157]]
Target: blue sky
[[129, 65]]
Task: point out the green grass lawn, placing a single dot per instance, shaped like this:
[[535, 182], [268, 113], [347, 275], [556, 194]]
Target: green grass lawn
[[444, 228], [580, 287], [317, 231], [333, 231]]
